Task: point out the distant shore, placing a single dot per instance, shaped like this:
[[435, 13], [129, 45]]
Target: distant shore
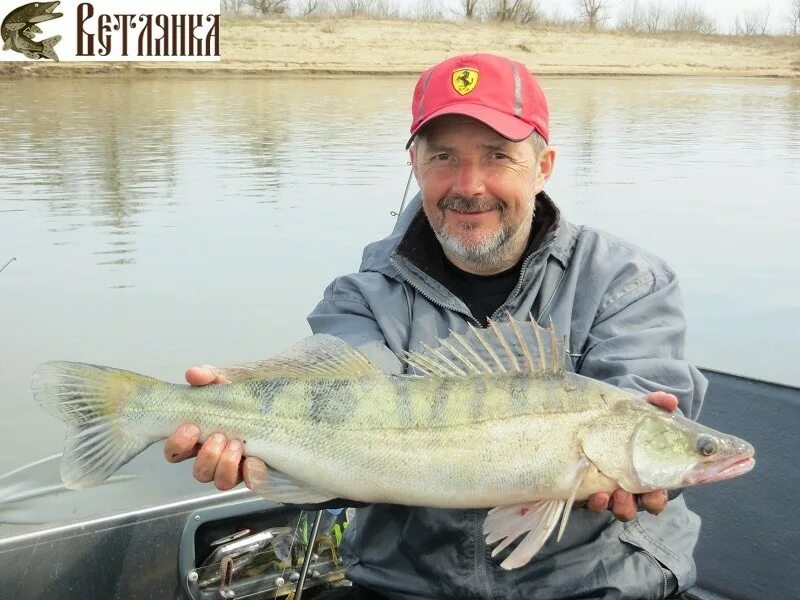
[[325, 47]]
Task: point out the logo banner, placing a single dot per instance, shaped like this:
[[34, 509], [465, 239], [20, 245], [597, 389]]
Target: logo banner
[[118, 30]]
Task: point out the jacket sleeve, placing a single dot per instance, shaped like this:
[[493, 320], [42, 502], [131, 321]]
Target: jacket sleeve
[[637, 341], [345, 312]]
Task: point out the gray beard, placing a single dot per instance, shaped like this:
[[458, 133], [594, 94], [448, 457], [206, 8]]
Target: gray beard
[[491, 250], [494, 250]]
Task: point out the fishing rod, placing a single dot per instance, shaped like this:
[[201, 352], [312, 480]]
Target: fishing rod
[[405, 195], [13, 258], [298, 591]]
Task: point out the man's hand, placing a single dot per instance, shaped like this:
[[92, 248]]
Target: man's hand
[[621, 503], [218, 459]]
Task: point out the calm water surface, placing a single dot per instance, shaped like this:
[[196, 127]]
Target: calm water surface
[[160, 224]]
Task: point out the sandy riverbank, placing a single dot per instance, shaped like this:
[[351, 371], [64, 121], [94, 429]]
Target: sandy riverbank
[[359, 46]]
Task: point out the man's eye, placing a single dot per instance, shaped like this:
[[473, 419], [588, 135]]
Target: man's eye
[[499, 156], [442, 156]]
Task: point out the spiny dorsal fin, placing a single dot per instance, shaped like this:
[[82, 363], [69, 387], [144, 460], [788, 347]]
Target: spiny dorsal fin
[[506, 347], [320, 356]]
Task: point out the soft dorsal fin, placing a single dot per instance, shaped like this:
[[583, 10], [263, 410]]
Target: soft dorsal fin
[[320, 356], [508, 347]]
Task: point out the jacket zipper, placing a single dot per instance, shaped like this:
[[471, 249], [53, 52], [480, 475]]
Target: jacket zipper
[[410, 279]]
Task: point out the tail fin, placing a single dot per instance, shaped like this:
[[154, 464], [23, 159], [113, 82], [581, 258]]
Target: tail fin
[[48, 50], [90, 399]]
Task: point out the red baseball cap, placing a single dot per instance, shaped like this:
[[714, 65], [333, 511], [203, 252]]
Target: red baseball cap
[[499, 92]]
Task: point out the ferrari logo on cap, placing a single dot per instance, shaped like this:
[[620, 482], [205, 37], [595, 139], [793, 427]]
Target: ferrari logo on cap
[[465, 80]]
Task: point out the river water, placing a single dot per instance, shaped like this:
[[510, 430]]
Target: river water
[[160, 223]]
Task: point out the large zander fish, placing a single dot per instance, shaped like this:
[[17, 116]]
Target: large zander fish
[[494, 420]]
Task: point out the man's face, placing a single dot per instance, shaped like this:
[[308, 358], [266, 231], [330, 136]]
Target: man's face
[[478, 188]]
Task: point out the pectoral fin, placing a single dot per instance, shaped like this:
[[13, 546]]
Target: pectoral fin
[[583, 469], [538, 519], [278, 486], [507, 523]]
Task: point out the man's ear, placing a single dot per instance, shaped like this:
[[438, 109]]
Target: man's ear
[[546, 164], [412, 153]]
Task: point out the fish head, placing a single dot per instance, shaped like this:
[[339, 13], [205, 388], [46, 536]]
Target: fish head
[[645, 448], [669, 451], [33, 12]]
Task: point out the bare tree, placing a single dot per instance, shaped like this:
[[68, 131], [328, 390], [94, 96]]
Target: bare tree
[[631, 17], [513, 11], [647, 16], [428, 10], [232, 6], [752, 22], [593, 11], [269, 7], [364, 8], [469, 7], [654, 16], [691, 18], [793, 17], [309, 7]]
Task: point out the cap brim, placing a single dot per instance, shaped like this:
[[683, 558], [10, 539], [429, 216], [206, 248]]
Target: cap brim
[[509, 126]]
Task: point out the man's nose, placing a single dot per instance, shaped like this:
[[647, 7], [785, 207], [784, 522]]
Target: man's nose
[[469, 180]]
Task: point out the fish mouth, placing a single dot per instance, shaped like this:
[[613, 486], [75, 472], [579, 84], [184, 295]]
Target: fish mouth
[[727, 469], [47, 13]]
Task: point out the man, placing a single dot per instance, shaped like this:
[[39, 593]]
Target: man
[[483, 239]]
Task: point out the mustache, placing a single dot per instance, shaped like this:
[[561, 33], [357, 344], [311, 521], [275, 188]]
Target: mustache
[[464, 204]]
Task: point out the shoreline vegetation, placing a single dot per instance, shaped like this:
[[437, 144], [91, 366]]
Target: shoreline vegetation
[[278, 45]]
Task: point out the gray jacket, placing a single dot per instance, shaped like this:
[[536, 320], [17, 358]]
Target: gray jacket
[[622, 312]]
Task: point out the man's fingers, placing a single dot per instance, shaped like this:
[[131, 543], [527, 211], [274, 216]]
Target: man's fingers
[[668, 402], [597, 502], [254, 472], [204, 375], [623, 506], [182, 444], [205, 465], [226, 474], [654, 502]]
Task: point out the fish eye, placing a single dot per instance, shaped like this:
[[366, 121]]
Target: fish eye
[[707, 447]]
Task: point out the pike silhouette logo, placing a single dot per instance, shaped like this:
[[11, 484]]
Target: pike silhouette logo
[[19, 30], [465, 80]]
